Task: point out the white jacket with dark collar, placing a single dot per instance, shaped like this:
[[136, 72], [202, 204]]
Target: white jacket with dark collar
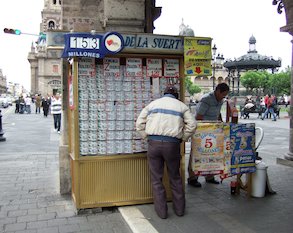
[[166, 116]]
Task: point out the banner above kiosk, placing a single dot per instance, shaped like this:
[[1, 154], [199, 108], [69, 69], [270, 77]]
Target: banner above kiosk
[[92, 45]]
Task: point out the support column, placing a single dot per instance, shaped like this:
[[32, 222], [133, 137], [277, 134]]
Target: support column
[[238, 82], [289, 155], [64, 161]]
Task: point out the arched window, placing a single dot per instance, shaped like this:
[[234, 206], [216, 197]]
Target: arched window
[[51, 25], [54, 2]]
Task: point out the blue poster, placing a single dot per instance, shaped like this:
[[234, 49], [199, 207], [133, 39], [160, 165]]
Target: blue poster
[[242, 138]]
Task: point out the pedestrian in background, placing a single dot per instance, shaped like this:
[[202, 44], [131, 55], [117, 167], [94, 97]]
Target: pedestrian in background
[[56, 110], [208, 109], [166, 122], [38, 103], [17, 103], [45, 106], [270, 108], [21, 105], [28, 103]]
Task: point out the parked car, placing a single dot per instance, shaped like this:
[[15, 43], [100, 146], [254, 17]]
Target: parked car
[[10, 100], [4, 102]]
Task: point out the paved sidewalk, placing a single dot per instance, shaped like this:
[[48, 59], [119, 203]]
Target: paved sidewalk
[[30, 202], [213, 209], [29, 183]]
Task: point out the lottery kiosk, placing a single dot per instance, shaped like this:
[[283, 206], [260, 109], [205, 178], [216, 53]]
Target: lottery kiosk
[[111, 78]]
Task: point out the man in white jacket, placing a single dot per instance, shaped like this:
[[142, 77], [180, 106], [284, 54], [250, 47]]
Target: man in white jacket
[[56, 110], [166, 122]]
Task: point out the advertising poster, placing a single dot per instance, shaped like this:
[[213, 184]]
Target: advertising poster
[[208, 148], [154, 68], [112, 67], [133, 67], [86, 67], [171, 68], [197, 55], [242, 139]]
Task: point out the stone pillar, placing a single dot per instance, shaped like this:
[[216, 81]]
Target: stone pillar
[[288, 6], [289, 155], [64, 161]]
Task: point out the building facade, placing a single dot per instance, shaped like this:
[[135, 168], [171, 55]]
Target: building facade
[[46, 68], [3, 83]]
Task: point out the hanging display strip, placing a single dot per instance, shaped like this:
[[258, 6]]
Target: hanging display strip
[[223, 148], [109, 105], [171, 68], [112, 67], [86, 67], [154, 67], [133, 67]]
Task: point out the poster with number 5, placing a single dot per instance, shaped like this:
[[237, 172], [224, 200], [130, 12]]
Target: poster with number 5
[[208, 148]]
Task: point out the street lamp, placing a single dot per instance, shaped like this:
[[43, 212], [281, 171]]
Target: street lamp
[[214, 49]]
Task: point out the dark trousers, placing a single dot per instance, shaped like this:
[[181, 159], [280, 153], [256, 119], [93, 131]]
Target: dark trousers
[[57, 121], [38, 109], [160, 152], [45, 110]]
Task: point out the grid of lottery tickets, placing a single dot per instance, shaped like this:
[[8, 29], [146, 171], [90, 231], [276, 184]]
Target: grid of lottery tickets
[[112, 95]]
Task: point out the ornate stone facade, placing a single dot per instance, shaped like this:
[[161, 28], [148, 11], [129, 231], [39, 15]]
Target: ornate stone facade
[[46, 65], [3, 83]]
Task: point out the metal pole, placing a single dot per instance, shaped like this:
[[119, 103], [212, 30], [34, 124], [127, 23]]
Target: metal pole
[[1, 131], [214, 71]]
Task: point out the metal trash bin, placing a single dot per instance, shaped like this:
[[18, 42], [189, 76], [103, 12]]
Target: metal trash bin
[[259, 179]]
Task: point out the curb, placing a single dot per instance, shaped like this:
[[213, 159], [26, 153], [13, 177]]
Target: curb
[[136, 220]]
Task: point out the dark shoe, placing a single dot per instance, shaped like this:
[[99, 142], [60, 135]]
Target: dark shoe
[[194, 183], [162, 215], [213, 181], [262, 118], [179, 214], [275, 120]]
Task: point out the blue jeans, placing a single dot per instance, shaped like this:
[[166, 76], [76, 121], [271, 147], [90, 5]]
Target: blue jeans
[[57, 121], [271, 110], [28, 109]]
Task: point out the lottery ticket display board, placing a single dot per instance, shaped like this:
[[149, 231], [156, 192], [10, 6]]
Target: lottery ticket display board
[[223, 149], [111, 94], [210, 149], [242, 138]]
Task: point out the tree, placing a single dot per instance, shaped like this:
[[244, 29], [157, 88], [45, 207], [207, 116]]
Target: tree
[[280, 83], [251, 80], [190, 87]]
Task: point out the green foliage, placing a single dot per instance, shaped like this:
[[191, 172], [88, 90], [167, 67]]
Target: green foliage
[[251, 80], [265, 82], [190, 87], [280, 83]]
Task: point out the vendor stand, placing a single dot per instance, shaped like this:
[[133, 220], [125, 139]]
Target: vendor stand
[[111, 78]]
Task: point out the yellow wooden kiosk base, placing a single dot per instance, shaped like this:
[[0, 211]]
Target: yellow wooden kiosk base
[[113, 181]]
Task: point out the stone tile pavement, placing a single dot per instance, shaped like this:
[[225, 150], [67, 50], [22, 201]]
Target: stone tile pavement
[[30, 202], [29, 183]]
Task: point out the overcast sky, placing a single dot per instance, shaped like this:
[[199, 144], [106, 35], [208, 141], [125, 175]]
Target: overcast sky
[[229, 22]]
